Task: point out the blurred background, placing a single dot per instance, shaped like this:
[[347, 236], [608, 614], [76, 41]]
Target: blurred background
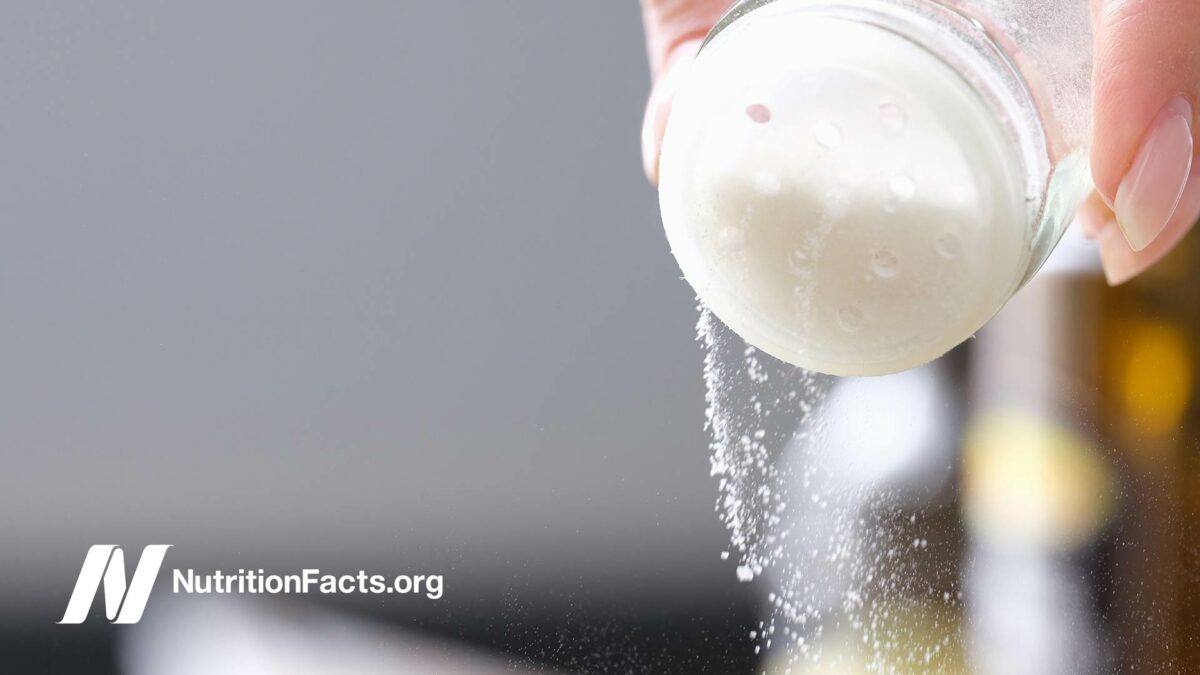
[[380, 286]]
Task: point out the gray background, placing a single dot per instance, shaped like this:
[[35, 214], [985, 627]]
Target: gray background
[[356, 284]]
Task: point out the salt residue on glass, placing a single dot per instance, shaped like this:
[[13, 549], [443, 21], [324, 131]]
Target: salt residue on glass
[[1052, 43]]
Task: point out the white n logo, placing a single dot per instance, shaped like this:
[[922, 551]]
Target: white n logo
[[122, 603]]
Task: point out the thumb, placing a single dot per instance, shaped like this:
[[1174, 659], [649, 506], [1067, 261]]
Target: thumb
[[674, 31], [1147, 77], [659, 106]]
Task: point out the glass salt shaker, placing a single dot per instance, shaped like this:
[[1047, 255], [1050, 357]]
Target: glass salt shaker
[[857, 186]]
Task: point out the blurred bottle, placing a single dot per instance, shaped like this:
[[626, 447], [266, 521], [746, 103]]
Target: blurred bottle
[[1080, 477]]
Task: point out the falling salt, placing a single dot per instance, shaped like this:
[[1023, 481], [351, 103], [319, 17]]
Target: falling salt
[[827, 564]]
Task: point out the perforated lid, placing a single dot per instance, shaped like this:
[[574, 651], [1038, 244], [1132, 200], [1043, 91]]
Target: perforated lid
[[840, 196]]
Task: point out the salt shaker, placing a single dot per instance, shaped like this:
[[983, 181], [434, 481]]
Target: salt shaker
[[857, 186]]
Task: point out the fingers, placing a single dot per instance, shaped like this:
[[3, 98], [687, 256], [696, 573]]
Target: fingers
[[661, 96], [674, 31], [670, 23], [1147, 77], [1093, 216]]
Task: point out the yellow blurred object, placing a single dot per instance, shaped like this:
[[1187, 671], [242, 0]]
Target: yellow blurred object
[[1030, 482], [907, 637], [1156, 378]]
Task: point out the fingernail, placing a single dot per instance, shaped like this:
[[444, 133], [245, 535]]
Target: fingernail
[[1150, 192], [1122, 263]]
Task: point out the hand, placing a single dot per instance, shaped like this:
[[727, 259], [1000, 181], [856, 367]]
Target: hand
[[674, 31], [1146, 85]]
